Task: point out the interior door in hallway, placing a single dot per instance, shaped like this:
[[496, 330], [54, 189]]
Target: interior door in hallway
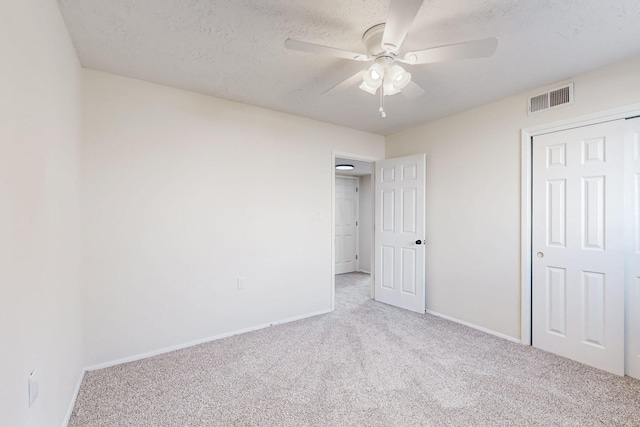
[[346, 232], [400, 232], [632, 223], [578, 256]]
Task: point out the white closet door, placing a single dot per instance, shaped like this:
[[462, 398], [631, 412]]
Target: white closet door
[[578, 252], [346, 229], [632, 210]]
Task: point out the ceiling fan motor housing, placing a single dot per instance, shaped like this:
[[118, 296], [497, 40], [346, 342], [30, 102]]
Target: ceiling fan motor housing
[[372, 39]]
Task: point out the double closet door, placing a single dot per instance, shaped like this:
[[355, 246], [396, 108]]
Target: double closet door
[[586, 245]]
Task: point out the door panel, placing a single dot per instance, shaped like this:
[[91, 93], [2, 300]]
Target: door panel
[[400, 222], [632, 210], [593, 308], [556, 307], [578, 263], [556, 214], [387, 265], [593, 212], [346, 230], [387, 211], [409, 200]]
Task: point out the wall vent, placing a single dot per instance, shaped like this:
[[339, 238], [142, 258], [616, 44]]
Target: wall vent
[[554, 98]]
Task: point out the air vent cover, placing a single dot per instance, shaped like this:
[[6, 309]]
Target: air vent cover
[[554, 98]]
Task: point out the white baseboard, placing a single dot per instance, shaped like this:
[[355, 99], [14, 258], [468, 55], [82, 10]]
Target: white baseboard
[[73, 399], [364, 271], [200, 341], [471, 325]]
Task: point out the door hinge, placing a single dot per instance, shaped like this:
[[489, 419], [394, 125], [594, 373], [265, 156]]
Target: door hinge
[[356, 223], [356, 256], [356, 189]]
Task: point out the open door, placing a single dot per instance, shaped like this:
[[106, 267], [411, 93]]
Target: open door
[[400, 232]]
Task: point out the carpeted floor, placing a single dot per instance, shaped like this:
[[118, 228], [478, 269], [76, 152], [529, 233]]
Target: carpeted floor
[[366, 364]]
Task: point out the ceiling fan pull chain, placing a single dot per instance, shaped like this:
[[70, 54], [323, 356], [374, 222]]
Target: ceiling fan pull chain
[[382, 113]]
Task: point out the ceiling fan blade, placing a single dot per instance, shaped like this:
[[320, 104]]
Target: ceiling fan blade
[[324, 50], [412, 91], [345, 84], [401, 15], [474, 49]]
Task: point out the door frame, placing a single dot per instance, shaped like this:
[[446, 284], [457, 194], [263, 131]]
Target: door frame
[[350, 156], [526, 180]]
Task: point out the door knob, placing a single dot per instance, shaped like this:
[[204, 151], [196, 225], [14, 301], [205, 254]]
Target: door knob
[[540, 255], [419, 242]]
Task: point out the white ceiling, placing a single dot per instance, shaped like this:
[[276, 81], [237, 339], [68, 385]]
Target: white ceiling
[[233, 49]]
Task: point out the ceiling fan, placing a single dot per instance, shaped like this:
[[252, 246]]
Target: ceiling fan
[[383, 43]]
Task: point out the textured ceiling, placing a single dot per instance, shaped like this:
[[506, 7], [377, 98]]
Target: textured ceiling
[[233, 49]]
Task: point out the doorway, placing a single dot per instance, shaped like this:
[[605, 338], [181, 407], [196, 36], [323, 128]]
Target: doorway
[[353, 218], [395, 228]]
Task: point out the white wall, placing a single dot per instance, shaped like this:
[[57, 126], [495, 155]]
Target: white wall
[[366, 223], [40, 294], [473, 195], [182, 194]]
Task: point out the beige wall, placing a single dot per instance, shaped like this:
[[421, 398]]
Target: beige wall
[[40, 294], [473, 195], [184, 193]]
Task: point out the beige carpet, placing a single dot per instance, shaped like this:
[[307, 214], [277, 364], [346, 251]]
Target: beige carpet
[[366, 364]]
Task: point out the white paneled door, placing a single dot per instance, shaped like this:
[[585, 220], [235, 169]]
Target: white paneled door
[[578, 252], [399, 232], [632, 211], [346, 225]]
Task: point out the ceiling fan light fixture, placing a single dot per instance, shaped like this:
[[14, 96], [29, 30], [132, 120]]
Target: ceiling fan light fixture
[[373, 78], [395, 80], [389, 89], [369, 89], [398, 77]]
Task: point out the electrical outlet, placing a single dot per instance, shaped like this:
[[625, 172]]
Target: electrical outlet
[[33, 388], [242, 283]]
